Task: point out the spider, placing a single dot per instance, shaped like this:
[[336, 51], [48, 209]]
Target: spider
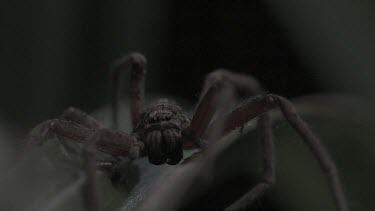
[[163, 130]]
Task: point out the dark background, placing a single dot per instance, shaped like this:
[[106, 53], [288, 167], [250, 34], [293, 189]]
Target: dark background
[[56, 54]]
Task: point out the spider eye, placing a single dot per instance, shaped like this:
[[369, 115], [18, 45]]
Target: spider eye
[[151, 120]]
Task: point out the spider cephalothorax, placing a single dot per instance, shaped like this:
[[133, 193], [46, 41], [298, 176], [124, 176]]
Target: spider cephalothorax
[[162, 131]]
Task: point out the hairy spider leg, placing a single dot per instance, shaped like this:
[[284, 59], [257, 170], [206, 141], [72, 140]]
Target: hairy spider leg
[[242, 82], [136, 64], [259, 105], [242, 86], [111, 142], [221, 89], [81, 117], [264, 128], [81, 127], [90, 190], [207, 108], [250, 86]]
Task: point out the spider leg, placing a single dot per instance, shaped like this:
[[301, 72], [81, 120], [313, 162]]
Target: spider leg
[[242, 82], [111, 142], [257, 106], [209, 100], [80, 117], [269, 171], [136, 63], [90, 187], [221, 90]]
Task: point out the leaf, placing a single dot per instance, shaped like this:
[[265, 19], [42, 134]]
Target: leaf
[[50, 177], [343, 123]]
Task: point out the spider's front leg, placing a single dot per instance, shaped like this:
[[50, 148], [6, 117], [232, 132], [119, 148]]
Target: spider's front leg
[[220, 87], [81, 127], [136, 64], [78, 126], [90, 187], [259, 105], [215, 96], [81, 117], [244, 84]]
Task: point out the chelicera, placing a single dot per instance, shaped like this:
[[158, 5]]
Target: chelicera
[[163, 130]]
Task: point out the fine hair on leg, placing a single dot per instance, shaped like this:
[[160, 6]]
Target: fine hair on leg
[[90, 189], [81, 117], [135, 63], [259, 105], [215, 90], [214, 95], [269, 171]]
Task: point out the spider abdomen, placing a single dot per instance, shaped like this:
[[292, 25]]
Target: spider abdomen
[[164, 146]]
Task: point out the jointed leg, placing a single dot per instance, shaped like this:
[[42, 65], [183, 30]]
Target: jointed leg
[[64, 128], [81, 117], [111, 142], [221, 89], [269, 175], [260, 105], [90, 188], [210, 102], [243, 83], [136, 63], [208, 106]]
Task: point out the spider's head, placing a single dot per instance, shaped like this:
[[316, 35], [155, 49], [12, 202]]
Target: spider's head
[[161, 127]]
